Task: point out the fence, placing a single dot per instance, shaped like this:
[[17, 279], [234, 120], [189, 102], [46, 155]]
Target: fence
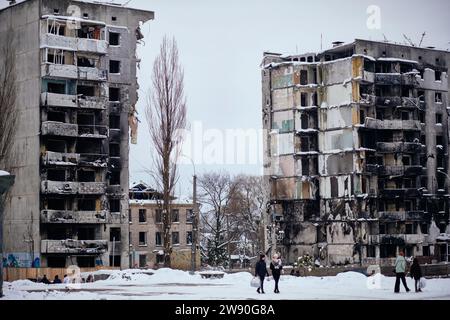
[[13, 274]]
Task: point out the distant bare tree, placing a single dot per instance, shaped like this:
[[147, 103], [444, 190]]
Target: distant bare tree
[[217, 193], [166, 117], [8, 121], [8, 94]]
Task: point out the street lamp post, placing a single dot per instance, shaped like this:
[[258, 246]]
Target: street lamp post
[[6, 181]]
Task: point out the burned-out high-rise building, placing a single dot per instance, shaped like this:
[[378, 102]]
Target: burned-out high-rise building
[[357, 152], [77, 90]]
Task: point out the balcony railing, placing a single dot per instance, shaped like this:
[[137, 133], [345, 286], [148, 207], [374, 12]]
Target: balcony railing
[[400, 147], [58, 100], [68, 71], [65, 216], [57, 158], [65, 187], [87, 131], [411, 125], [74, 246], [54, 128], [401, 215], [74, 44], [92, 102], [400, 192]]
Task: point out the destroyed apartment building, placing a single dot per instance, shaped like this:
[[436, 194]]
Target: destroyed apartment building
[[356, 152], [77, 90]]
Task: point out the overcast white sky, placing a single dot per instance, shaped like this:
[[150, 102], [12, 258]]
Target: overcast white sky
[[221, 45]]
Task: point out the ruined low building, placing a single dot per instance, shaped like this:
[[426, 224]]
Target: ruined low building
[[77, 90], [356, 152], [146, 229]]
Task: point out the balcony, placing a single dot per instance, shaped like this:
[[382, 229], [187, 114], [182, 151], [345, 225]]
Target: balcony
[[53, 128], [74, 246], [86, 102], [74, 44], [86, 131], [114, 135], [367, 99], [388, 79], [400, 170], [414, 238], [398, 102], [65, 187], [373, 239], [400, 147], [68, 71], [377, 124], [401, 215], [400, 192], [63, 159], [64, 216], [58, 100], [93, 160]]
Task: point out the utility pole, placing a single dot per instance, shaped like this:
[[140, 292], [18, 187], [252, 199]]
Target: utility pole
[[194, 226], [6, 181], [229, 240]]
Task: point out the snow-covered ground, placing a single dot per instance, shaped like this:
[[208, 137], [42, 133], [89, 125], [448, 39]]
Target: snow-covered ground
[[170, 284]]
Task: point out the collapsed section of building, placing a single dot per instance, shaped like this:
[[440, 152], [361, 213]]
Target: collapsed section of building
[[77, 91], [356, 152]]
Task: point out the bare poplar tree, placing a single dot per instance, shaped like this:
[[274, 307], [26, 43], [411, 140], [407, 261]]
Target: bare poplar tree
[[8, 121], [166, 117]]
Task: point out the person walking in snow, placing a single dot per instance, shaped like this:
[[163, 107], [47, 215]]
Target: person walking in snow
[[400, 271], [416, 274], [276, 268], [261, 272]]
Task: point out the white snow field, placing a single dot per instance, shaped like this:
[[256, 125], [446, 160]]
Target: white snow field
[[168, 284]]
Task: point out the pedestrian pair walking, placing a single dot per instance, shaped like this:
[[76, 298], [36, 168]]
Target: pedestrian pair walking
[[261, 271]]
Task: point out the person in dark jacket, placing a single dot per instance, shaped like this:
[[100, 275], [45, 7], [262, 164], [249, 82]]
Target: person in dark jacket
[[57, 280], [45, 279], [261, 272], [416, 274], [276, 268]]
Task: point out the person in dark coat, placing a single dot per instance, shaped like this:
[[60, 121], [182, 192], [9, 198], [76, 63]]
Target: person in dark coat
[[276, 268], [45, 279], [57, 280], [261, 272], [416, 274]]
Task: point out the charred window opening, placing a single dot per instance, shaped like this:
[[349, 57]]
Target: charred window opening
[[56, 262], [58, 233], [114, 205], [114, 262], [371, 251], [89, 147], [303, 77], [406, 92], [85, 62], [383, 67], [438, 118], [114, 66], [388, 251], [142, 215], [382, 228], [53, 87], [405, 68], [425, 251], [405, 115], [334, 187], [304, 144], [86, 262], [305, 167], [85, 119], [86, 176], [114, 178], [438, 97], [422, 116], [56, 204], [304, 121], [406, 160], [362, 116], [409, 228], [89, 32], [57, 116], [314, 98], [57, 29], [438, 75], [303, 99], [310, 59], [86, 233], [56, 146], [86, 204], [114, 121], [56, 175], [114, 234], [88, 91], [114, 150], [113, 18], [114, 38], [114, 94], [439, 140], [369, 65]]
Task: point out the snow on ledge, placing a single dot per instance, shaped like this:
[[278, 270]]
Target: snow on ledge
[[4, 173]]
